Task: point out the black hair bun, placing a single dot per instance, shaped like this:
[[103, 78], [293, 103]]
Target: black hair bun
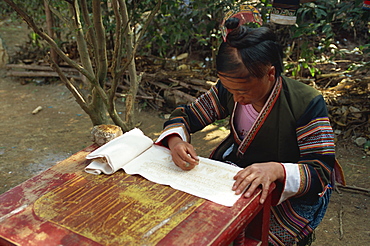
[[232, 23]]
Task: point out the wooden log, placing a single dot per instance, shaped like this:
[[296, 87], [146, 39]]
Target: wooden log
[[187, 97], [198, 82], [182, 95], [142, 97], [141, 94], [39, 74], [206, 84]]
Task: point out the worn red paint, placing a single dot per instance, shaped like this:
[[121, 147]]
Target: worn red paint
[[208, 224]]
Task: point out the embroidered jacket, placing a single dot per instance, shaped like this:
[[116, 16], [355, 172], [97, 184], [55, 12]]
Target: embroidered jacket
[[292, 128]]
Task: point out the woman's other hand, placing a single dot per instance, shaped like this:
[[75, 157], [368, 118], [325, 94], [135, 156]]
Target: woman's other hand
[[183, 153], [258, 174]]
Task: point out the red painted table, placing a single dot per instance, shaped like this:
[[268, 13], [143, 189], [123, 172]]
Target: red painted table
[[66, 206]]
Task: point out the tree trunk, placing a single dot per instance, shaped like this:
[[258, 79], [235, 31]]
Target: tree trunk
[[134, 83], [98, 112], [95, 100], [50, 24]]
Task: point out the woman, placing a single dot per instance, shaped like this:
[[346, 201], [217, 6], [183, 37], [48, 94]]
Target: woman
[[280, 132]]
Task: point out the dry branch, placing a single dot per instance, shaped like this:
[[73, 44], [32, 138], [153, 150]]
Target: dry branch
[[188, 86], [328, 75], [340, 215], [354, 188]]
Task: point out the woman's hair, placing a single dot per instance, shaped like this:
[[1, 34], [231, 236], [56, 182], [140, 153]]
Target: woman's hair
[[250, 48]]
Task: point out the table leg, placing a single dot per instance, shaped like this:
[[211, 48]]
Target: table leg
[[259, 227]]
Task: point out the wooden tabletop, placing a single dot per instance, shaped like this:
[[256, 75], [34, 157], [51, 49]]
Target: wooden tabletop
[[66, 206]]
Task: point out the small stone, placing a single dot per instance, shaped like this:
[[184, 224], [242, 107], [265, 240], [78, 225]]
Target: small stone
[[360, 141], [355, 111], [36, 110], [102, 134]]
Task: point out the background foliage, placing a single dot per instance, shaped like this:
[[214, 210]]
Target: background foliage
[[328, 47], [192, 26]]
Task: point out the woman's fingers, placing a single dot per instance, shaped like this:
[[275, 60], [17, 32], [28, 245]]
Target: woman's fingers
[[265, 192], [184, 155], [250, 178], [189, 162], [252, 187], [242, 180], [194, 159]]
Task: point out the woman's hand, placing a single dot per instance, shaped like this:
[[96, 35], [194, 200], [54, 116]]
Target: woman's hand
[[258, 174], [183, 153]]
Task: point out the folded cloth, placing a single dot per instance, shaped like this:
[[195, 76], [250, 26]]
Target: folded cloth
[[115, 154]]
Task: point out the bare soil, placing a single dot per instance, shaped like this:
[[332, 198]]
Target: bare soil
[[31, 143]]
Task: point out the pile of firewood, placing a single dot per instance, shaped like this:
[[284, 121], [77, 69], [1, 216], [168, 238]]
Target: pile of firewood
[[161, 89]]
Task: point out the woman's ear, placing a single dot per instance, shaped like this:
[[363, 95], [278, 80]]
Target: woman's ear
[[272, 73]]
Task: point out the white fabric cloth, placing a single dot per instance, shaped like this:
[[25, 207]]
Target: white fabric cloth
[[292, 181], [113, 155], [176, 130]]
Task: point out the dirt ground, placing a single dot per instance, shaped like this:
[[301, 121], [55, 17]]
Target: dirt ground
[[30, 143]]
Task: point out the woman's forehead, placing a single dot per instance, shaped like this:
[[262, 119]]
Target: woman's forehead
[[235, 77], [238, 84]]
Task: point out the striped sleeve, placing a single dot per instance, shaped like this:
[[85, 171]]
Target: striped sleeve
[[205, 110], [316, 137], [311, 176], [317, 150]]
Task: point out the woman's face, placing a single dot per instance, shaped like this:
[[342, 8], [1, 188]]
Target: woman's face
[[249, 90]]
